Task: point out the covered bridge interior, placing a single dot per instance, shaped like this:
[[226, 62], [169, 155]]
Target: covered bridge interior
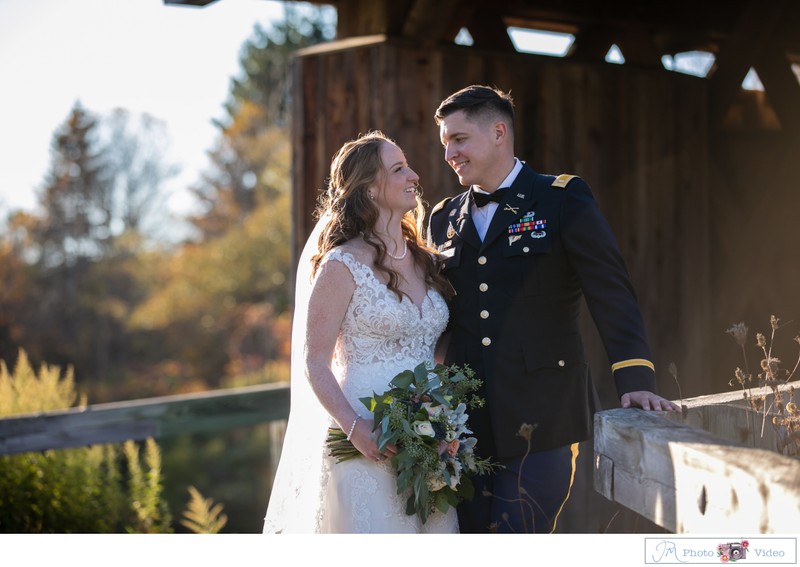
[[696, 174]]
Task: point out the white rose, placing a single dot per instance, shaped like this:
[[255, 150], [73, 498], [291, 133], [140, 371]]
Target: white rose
[[435, 483], [423, 428]]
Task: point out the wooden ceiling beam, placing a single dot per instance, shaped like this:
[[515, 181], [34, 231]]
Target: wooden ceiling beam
[[757, 23], [362, 17], [638, 48], [429, 21], [780, 85], [488, 29], [592, 43]]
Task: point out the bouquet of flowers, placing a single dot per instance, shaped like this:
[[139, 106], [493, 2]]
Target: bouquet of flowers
[[424, 413]]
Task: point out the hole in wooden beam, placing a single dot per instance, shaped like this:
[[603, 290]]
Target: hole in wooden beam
[[702, 501]]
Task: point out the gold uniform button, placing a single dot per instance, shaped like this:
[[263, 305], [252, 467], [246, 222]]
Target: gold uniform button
[[486, 341], [561, 363], [482, 260], [526, 250], [483, 287], [484, 314]]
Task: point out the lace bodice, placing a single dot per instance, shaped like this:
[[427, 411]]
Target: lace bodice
[[382, 335]]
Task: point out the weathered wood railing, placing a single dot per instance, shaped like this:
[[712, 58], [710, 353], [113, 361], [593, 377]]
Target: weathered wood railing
[[700, 472], [139, 419]]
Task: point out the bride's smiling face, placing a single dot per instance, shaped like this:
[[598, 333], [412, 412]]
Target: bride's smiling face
[[395, 190]]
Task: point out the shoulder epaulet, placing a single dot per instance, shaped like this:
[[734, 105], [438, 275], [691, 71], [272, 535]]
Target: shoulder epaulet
[[563, 180], [440, 205]]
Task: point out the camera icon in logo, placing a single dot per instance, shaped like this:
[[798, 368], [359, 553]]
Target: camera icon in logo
[[733, 551]]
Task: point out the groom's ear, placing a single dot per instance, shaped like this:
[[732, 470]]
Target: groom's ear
[[500, 131]]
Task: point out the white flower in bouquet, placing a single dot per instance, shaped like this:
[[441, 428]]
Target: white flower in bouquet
[[424, 413], [424, 428]]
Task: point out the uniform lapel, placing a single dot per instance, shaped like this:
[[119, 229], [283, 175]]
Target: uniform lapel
[[519, 199], [464, 226]]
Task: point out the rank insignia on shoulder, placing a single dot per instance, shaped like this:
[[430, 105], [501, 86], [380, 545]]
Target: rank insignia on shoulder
[[439, 206], [563, 180]]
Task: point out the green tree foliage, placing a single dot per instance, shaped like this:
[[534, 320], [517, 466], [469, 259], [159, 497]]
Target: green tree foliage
[[16, 277], [73, 490], [76, 198], [73, 267], [265, 59]]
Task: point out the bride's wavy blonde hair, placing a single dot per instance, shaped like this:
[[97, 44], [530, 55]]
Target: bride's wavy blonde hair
[[355, 167]]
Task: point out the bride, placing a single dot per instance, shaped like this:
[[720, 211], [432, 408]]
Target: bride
[[369, 303]]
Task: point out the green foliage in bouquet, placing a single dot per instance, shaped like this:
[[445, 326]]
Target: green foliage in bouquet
[[424, 415]]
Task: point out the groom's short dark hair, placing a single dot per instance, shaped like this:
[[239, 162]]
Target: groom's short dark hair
[[475, 100]]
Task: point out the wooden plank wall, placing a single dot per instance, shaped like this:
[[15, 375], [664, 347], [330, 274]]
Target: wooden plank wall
[[755, 204], [639, 137]]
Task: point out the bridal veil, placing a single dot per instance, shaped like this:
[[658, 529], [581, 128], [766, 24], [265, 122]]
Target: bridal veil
[[296, 497]]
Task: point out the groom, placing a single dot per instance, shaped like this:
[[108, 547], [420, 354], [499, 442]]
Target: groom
[[520, 250]]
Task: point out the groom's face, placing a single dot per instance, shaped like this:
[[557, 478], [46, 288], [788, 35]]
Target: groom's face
[[471, 148]]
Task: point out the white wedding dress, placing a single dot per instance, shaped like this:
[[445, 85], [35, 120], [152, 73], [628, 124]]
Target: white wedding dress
[[380, 337]]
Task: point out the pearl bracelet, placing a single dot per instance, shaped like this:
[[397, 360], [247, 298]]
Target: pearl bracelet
[[353, 427]]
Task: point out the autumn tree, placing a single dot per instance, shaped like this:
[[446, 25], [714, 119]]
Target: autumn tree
[[225, 303], [79, 254]]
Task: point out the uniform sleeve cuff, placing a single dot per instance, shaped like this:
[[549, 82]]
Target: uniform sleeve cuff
[[632, 362]]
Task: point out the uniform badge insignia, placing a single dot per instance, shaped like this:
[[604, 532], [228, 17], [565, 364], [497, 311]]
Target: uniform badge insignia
[[513, 238], [511, 209], [451, 231], [538, 228], [520, 195], [563, 180], [527, 224]]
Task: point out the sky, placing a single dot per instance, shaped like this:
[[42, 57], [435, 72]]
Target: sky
[[171, 62]]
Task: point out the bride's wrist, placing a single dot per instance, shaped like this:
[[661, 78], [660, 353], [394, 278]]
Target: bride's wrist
[[353, 427]]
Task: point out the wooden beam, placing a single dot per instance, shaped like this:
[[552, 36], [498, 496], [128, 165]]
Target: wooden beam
[[139, 419], [592, 43], [757, 23], [361, 17], [781, 86], [638, 48], [489, 30], [672, 470], [429, 21]]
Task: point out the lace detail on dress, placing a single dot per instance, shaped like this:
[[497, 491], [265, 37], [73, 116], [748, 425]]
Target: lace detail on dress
[[382, 333], [381, 336]]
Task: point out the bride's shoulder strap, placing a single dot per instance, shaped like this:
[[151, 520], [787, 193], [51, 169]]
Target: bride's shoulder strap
[[359, 270]]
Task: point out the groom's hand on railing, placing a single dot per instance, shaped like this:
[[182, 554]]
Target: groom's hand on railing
[[647, 401]]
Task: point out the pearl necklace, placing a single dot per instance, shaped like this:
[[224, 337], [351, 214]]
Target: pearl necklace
[[401, 256]]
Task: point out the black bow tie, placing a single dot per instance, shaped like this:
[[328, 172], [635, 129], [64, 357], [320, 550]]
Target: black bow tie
[[483, 199]]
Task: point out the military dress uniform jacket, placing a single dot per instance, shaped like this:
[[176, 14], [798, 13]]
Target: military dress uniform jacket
[[515, 315]]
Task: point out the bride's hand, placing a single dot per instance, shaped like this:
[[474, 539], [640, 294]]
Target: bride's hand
[[363, 440]]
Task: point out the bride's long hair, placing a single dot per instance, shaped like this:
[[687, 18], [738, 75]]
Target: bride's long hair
[[355, 167]]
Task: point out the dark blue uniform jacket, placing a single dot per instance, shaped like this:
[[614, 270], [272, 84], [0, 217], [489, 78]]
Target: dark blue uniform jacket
[[515, 316]]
